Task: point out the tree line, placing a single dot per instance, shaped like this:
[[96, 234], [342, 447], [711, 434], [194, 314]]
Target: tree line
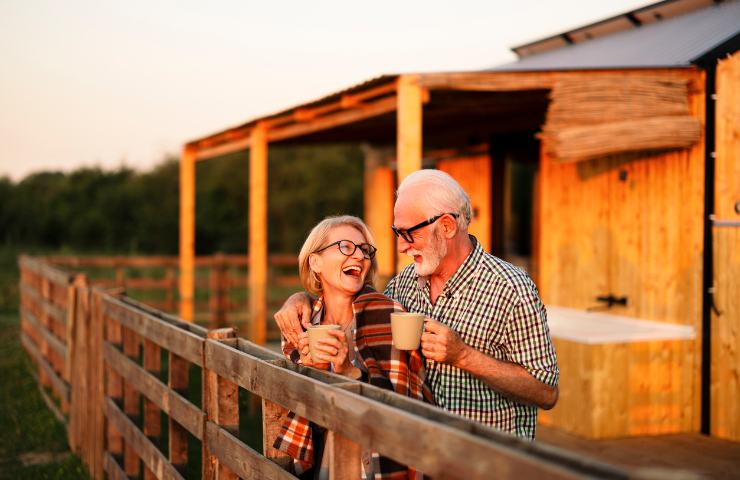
[[127, 211]]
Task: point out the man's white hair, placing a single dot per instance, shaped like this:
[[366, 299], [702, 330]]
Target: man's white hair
[[442, 194]]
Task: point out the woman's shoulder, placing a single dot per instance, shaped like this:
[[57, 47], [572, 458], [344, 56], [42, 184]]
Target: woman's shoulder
[[370, 299]]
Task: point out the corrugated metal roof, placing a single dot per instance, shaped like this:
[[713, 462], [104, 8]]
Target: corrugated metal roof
[[673, 42]]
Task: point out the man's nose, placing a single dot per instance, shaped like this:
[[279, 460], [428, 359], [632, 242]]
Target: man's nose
[[402, 244]]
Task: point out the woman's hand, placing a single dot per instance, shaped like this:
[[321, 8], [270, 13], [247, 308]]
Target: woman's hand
[[334, 349], [305, 352]]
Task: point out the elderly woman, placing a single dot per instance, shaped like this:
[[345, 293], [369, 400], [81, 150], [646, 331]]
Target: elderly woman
[[337, 264]]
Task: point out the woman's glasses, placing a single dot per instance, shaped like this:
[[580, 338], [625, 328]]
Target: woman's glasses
[[348, 248]]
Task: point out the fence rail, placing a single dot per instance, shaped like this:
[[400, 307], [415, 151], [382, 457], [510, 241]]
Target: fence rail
[[118, 366], [221, 281]]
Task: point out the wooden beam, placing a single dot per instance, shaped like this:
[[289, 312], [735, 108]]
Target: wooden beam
[[258, 235], [336, 119], [187, 233], [59, 386], [222, 149]]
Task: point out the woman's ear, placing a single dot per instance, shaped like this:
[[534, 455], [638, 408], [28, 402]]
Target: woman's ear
[[314, 261]]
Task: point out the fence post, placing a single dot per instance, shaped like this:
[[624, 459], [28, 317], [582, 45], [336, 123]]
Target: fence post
[[221, 402], [273, 416]]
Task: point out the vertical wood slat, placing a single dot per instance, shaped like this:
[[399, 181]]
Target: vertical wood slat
[[273, 416], [152, 413], [258, 235], [114, 387], [177, 380], [345, 458], [187, 234], [221, 404], [131, 402], [43, 346]]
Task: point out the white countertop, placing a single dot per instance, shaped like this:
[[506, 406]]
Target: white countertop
[[598, 327]]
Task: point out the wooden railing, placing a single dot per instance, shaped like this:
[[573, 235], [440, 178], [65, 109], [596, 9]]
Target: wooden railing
[[221, 282], [101, 353]]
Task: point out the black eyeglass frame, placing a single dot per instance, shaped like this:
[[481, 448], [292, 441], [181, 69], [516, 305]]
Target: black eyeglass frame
[[405, 233], [369, 256]]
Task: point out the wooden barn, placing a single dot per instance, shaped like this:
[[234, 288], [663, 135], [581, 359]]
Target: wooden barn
[[605, 161]]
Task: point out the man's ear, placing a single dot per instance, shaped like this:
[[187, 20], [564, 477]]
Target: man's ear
[[449, 226], [314, 261]]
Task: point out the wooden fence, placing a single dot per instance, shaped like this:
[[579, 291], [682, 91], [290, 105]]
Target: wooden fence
[[116, 368], [221, 281]]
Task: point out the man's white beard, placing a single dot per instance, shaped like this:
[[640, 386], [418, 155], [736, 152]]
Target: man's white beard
[[431, 256]]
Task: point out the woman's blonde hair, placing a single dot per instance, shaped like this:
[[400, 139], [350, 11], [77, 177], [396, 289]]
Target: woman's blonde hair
[[317, 238]]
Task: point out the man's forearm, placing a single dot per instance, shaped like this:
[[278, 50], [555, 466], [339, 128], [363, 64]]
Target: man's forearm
[[509, 379]]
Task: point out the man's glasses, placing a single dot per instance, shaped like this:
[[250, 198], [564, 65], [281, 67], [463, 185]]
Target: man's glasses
[[406, 233], [348, 248]]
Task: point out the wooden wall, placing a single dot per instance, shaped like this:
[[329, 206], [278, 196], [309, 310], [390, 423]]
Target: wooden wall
[[629, 225], [725, 374], [474, 175], [624, 389]]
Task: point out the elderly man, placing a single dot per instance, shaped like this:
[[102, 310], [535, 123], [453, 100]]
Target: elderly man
[[486, 342]]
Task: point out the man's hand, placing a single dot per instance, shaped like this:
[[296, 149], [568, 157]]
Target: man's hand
[[296, 311], [442, 344]]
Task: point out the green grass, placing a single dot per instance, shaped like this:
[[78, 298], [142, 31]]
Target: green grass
[[27, 425]]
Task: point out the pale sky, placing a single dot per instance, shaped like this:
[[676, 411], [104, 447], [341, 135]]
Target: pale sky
[[107, 83]]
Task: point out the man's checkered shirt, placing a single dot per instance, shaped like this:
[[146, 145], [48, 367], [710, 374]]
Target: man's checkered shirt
[[496, 309]]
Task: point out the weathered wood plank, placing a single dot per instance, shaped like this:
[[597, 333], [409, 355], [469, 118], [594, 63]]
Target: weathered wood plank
[[171, 402], [147, 451], [345, 458], [240, 458], [391, 431], [131, 403], [59, 386], [111, 467], [51, 340], [57, 313], [177, 380], [181, 342], [152, 413], [273, 416], [221, 402]]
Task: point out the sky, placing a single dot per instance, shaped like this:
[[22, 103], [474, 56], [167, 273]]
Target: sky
[[111, 83]]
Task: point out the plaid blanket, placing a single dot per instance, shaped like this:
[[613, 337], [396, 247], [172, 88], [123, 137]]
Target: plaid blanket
[[383, 366]]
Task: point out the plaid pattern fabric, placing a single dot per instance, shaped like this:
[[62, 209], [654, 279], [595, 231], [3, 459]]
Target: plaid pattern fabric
[[496, 309], [382, 365]]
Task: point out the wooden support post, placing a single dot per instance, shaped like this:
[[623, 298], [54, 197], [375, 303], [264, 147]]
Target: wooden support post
[[152, 413], [409, 134], [345, 458], [114, 386], [221, 404], [258, 235], [131, 402], [187, 234], [273, 416], [379, 188], [178, 437]]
